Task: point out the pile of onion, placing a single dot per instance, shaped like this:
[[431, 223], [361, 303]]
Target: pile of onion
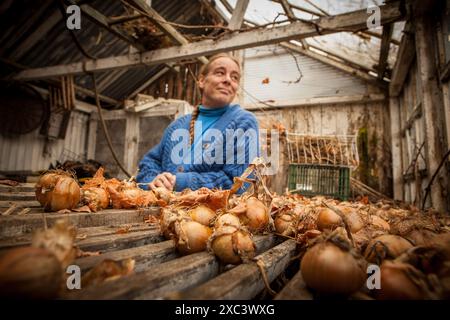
[[57, 190], [232, 245], [31, 273], [191, 236], [331, 266], [387, 246]]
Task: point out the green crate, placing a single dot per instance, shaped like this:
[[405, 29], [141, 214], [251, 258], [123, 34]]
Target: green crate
[[313, 180]]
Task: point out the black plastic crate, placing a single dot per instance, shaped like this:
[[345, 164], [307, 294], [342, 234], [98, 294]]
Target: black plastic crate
[[313, 180]]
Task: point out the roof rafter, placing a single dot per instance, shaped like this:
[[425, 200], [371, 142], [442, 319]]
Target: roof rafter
[[351, 21]]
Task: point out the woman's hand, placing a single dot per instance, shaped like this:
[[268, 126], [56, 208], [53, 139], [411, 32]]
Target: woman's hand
[[165, 180]]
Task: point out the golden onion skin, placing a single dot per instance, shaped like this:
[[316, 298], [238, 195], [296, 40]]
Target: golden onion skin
[[31, 273], [395, 245], [330, 270], [57, 192], [202, 214], [229, 238], [395, 284], [328, 219], [191, 237]]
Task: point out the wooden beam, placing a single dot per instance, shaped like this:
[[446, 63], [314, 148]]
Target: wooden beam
[[178, 274], [144, 256], [347, 60], [297, 30], [245, 281], [11, 226], [396, 148], [433, 107], [155, 77], [291, 16], [370, 98], [162, 24], [338, 65], [405, 57], [384, 50], [323, 13], [102, 21], [238, 15]]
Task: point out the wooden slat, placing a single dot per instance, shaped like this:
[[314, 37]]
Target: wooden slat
[[158, 20], [297, 30], [11, 226], [17, 196], [405, 57], [82, 234], [238, 14], [384, 49], [159, 279], [245, 281], [145, 256], [23, 187], [295, 289], [99, 19], [120, 241], [23, 204]]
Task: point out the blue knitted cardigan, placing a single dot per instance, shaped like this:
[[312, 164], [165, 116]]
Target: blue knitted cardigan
[[196, 175]]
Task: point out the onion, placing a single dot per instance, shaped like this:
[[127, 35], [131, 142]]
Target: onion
[[256, 216], [354, 220], [283, 224], [232, 245], [328, 269], [422, 237], [57, 191], [396, 283], [227, 219], [167, 220], [28, 272], [95, 198], [386, 246], [202, 214], [191, 236], [380, 223], [328, 219]]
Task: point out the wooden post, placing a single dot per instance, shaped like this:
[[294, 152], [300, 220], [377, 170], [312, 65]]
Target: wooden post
[[396, 148], [432, 107], [131, 143]]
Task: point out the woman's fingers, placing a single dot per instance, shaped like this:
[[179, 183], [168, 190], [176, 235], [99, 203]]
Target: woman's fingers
[[170, 177], [166, 182]]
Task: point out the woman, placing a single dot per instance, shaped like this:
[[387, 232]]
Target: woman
[[221, 138]]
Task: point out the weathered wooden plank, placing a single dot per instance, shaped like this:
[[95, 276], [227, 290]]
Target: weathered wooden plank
[[22, 204], [82, 233], [432, 106], [245, 281], [160, 279], [384, 49], [120, 241], [17, 196], [297, 30], [238, 14], [295, 289], [23, 187], [145, 256], [405, 57], [11, 226], [396, 148]]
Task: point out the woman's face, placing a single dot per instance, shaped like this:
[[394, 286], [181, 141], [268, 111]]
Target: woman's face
[[220, 84]]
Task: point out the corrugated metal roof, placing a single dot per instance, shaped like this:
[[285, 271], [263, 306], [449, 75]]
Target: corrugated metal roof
[[57, 46]]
